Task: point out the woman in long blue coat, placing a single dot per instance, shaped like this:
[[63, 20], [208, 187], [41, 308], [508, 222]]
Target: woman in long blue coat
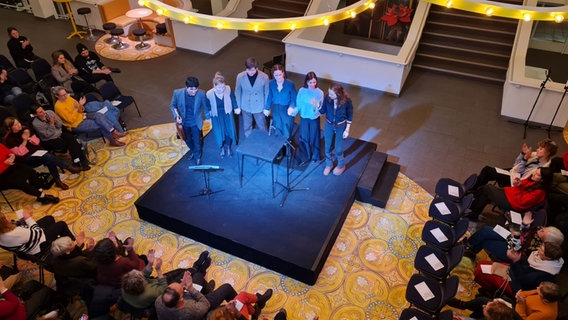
[[222, 102]]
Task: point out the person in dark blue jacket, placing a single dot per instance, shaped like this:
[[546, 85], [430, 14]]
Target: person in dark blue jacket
[[338, 110]]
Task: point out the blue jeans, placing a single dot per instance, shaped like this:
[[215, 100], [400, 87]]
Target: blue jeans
[[10, 97], [93, 122], [493, 243], [328, 133], [50, 161], [112, 114]]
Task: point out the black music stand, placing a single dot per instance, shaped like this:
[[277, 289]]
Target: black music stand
[[289, 158], [206, 169]]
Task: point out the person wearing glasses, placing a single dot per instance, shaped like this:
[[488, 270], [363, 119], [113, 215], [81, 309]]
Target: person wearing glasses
[[72, 113]]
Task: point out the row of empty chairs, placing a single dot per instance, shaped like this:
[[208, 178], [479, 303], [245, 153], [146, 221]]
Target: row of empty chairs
[[430, 290]]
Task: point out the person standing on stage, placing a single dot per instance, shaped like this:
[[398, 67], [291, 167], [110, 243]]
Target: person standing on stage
[[222, 102], [251, 92], [308, 102], [281, 95], [338, 111], [188, 106]]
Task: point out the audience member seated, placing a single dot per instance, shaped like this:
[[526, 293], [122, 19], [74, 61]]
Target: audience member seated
[[111, 266], [524, 273], [558, 195], [242, 307], [183, 301], [68, 76], [36, 296], [140, 290], [111, 112], [527, 241], [90, 66], [8, 89], [72, 113], [71, 261], [48, 127], [20, 49], [522, 196], [484, 309], [31, 237], [20, 177], [525, 164], [541, 303], [26, 146]]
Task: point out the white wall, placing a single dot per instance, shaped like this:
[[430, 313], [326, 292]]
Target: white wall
[[305, 52], [201, 39], [520, 92]]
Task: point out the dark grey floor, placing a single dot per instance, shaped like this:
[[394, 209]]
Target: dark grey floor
[[440, 126]]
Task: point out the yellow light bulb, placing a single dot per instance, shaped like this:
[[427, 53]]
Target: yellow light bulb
[[141, 2], [372, 5], [160, 11], [489, 12], [293, 26], [219, 26], [256, 28], [449, 4], [186, 20], [527, 17], [353, 14], [559, 18]]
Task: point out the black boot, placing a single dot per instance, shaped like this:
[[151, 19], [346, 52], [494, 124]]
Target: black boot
[[202, 257], [262, 298]]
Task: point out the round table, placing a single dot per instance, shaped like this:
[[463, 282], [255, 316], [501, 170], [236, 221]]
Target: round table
[[140, 13]]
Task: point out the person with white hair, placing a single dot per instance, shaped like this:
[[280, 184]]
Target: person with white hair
[[526, 242], [140, 290]]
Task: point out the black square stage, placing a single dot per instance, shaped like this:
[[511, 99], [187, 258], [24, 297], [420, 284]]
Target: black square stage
[[248, 221]]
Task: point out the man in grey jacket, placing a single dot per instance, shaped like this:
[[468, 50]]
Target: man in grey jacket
[[252, 92]]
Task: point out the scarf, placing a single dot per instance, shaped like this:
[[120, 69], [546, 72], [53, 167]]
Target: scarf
[[226, 100], [549, 266]]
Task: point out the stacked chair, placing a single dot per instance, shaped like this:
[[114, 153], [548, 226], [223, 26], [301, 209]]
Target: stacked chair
[[430, 290]]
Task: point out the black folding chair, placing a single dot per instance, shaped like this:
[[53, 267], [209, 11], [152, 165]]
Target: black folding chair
[[7, 64], [23, 80], [109, 91]]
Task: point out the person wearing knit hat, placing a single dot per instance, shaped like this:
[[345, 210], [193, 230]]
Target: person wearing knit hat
[[188, 106], [90, 66]]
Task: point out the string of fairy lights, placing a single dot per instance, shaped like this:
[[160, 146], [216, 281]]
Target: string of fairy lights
[[489, 8]]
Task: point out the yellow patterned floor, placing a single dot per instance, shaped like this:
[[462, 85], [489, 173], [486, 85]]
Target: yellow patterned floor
[[364, 277]]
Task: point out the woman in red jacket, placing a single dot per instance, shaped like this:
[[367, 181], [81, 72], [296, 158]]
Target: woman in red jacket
[[523, 195]]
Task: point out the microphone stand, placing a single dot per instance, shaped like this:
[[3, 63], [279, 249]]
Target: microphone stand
[[542, 85], [557, 108]]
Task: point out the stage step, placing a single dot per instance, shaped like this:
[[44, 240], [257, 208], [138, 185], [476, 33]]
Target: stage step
[[377, 180]]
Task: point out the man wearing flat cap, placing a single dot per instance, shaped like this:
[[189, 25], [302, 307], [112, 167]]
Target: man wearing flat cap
[[188, 106]]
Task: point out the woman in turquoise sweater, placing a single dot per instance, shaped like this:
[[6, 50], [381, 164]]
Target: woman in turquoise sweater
[[308, 102]]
